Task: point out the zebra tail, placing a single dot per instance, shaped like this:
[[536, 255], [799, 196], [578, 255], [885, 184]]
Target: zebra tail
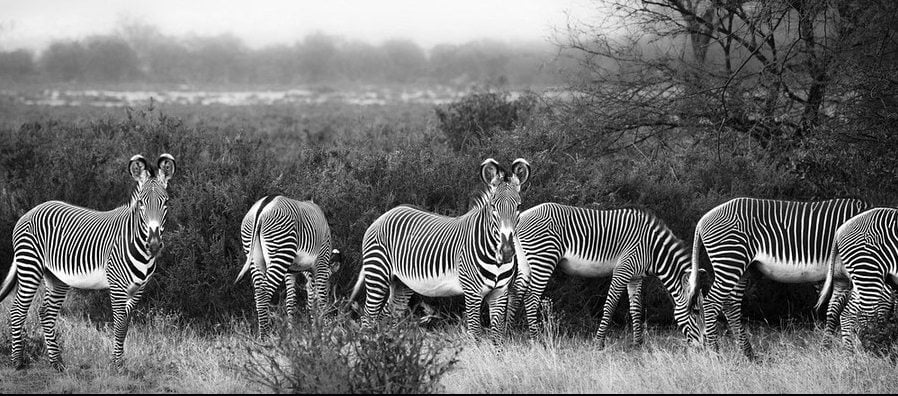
[[693, 275], [827, 288], [254, 242], [9, 282], [357, 287]]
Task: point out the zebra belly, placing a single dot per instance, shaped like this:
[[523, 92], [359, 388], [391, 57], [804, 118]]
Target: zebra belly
[[95, 279], [445, 285], [575, 265], [790, 271], [302, 262]]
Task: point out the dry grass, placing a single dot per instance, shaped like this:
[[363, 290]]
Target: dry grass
[[163, 358]]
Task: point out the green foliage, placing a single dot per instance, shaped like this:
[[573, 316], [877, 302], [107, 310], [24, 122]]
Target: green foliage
[[333, 355]]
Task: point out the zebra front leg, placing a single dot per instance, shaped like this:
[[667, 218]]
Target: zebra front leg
[[618, 283], [634, 292], [733, 313], [497, 302], [473, 301], [28, 283], [54, 295], [123, 302]]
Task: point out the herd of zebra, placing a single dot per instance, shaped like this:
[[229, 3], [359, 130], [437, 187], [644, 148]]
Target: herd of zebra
[[493, 252]]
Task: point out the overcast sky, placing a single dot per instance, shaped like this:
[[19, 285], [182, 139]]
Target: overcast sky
[[33, 24]]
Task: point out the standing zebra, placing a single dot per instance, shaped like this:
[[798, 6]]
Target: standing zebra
[[73, 247], [407, 250], [626, 244], [788, 241], [866, 252], [281, 238]]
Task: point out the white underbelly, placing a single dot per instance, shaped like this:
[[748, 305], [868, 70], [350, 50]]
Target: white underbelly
[[95, 279], [790, 271], [575, 265], [445, 285], [303, 262]]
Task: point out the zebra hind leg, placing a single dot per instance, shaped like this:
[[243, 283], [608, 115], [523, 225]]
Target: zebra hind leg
[[28, 282], [54, 295], [634, 292], [733, 313]]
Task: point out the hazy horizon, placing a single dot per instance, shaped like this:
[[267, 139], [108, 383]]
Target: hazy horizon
[[35, 24]]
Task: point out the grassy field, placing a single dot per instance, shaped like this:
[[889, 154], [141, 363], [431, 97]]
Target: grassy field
[[161, 357]]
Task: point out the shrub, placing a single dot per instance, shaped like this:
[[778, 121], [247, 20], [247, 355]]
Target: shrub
[[477, 117], [334, 355], [879, 336]]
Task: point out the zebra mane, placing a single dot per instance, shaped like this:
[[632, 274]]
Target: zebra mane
[[481, 199]]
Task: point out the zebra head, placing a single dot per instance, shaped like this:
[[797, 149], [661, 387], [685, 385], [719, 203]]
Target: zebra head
[[503, 202], [150, 199]]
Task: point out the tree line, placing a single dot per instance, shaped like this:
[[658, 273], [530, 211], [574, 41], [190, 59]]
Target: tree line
[[138, 52]]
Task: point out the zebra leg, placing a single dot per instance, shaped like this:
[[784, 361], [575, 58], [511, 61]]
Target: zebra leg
[[290, 287], [28, 281], [473, 300], [733, 313], [54, 294], [634, 292], [497, 301], [400, 295], [618, 284], [377, 288], [728, 267], [837, 301], [262, 293], [123, 302]]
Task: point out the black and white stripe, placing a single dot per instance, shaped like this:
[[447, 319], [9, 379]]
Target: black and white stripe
[[866, 251], [786, 241], [408, 250], [281, 238], [625, 244], [68, 246]]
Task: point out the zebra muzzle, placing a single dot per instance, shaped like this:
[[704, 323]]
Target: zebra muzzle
[[506, 249], [154, 242]]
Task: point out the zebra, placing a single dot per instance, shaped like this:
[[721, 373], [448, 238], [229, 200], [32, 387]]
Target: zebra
[[408, 250], [788, 242], [282, 237], [866, 255], [625, 244], [73, 247]]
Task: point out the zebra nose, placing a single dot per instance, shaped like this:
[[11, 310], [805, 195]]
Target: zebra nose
[[154, 242], [507, 252]]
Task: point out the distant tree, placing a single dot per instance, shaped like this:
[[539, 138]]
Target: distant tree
[[63, 61], [407, 61], [317, 57], [16, 63], [109, 58], [218, 59]]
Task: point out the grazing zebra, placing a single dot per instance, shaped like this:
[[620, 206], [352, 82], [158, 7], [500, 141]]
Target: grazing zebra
[[68, 246], [625, 244], [281, 238], [407, 250], [787, 241], [866, 251]]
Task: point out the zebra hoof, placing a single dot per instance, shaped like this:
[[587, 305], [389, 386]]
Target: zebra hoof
[[19, 365], [58, 366]]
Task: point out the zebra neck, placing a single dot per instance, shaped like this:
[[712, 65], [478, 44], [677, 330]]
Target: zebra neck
[[138, 258]]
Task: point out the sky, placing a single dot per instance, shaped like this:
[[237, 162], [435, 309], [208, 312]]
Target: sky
[[33, 24]]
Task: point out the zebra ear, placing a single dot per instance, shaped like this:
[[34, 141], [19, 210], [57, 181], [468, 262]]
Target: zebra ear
[[137, 167], [489, 171], [520, 168], [166, 166], [336, 260]]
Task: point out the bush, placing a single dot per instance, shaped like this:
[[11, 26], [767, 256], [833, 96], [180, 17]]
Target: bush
[[477, 117], [334, 355], [879, 336]]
